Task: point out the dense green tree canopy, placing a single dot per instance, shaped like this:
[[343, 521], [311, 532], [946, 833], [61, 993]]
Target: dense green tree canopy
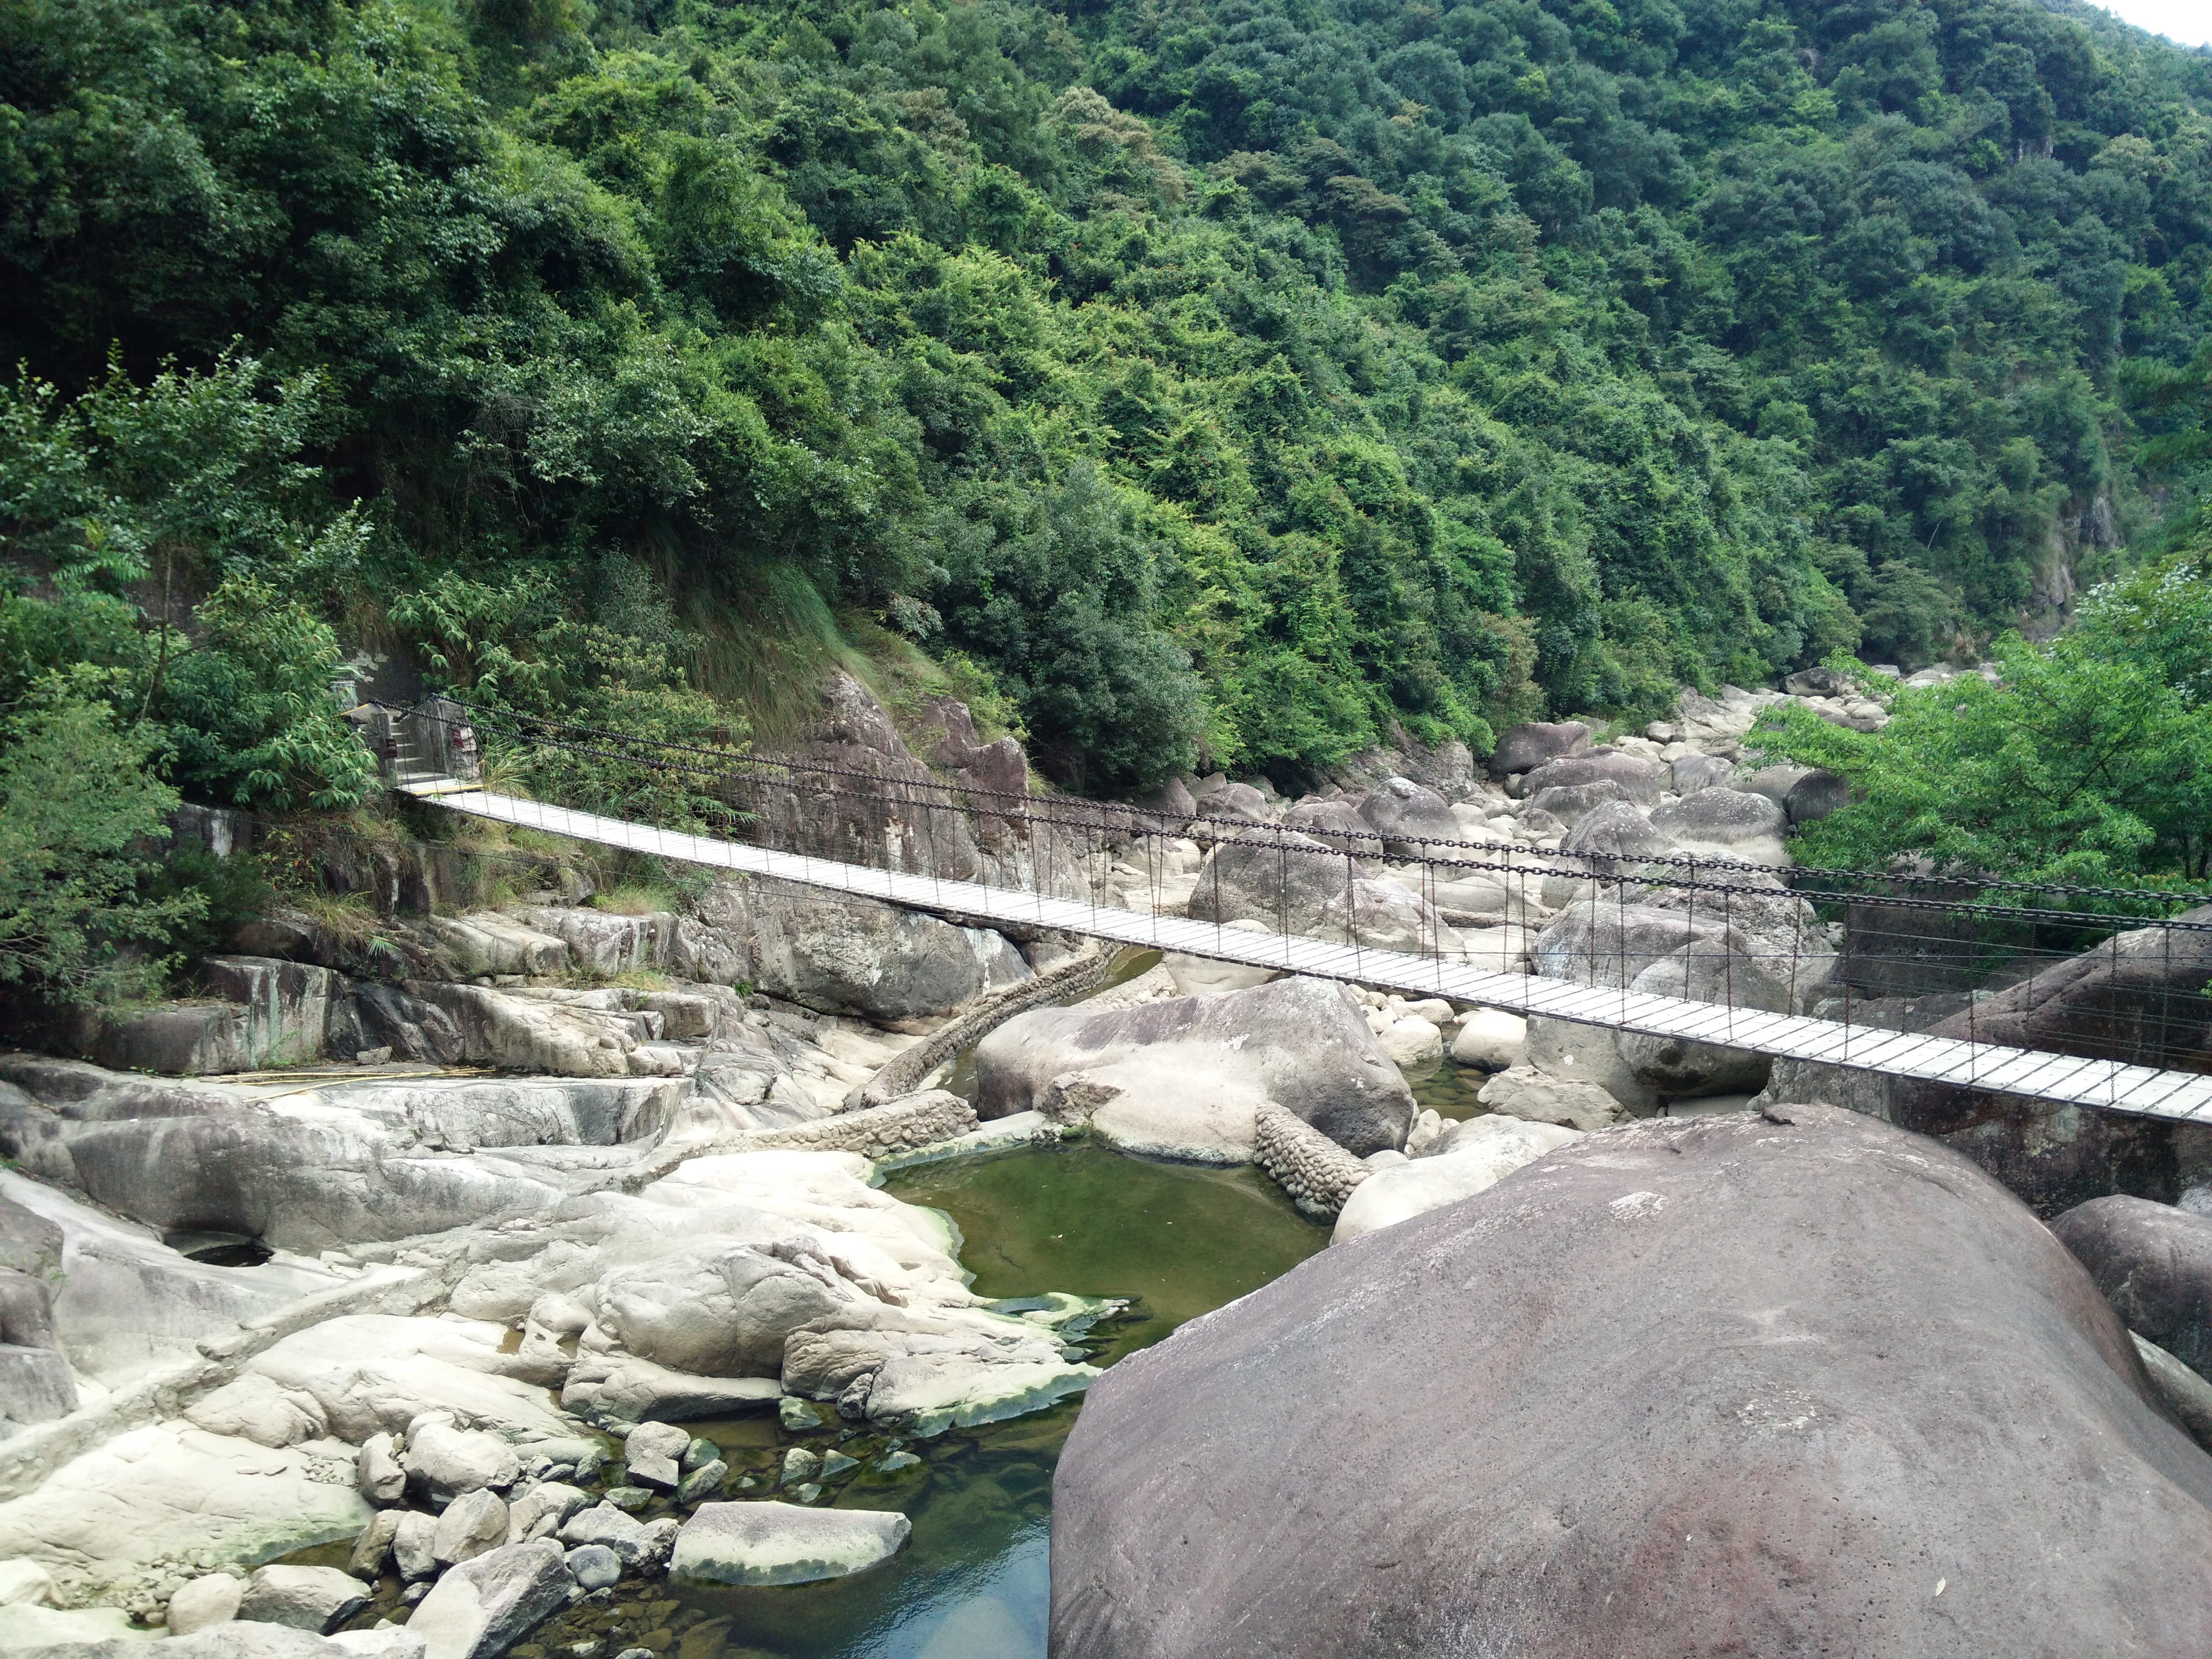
[[1226, 378], [2089, 760]]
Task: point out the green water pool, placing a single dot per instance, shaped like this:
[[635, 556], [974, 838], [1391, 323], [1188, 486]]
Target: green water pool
[[1175, 1239]]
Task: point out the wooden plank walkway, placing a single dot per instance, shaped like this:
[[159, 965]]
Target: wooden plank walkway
[[2107, 1085]]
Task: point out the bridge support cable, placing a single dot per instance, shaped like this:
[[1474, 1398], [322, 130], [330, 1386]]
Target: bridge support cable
[[2071, 1079]]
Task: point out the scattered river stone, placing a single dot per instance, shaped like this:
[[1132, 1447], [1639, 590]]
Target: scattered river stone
[[895, 1461], [782, 1544], [798, 1415], [702, 1482], [595, 1565], [650, 1455], [211, 1600], [699, 1454], [628, 1498], [473, 1522], [414, 1544], [482, 1607], [305, 1598], [799, 1464], [374, 1544], [836, 1464]]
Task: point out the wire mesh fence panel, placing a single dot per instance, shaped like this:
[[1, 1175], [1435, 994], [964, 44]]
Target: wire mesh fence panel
[[1931, 974]]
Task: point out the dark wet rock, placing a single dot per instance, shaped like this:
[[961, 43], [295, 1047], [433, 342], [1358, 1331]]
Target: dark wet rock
[[1762, 1420], [1816, 796], [1525, 747]]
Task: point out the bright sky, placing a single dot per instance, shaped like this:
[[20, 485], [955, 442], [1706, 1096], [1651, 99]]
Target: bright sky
[[2187, 22]]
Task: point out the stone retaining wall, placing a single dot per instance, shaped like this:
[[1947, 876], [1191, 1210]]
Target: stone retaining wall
[[1318, 1174], [898, 1125]]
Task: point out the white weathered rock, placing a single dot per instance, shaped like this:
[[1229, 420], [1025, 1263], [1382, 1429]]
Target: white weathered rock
[[1490, 1039], [448, 1459], [377, 1473], [1526, 1092], [30, 1628], [482, 1607], [211, 1599], [1412, 1041], [170, 1489], [1192, 1071], [652, 1451], [539, 1512], [473, 1524], [415, 1545], [1477, 1155], [783, 1543], [256, 1409], [304, 1598], [391, 1642], [25, 1583], [373, 1547]]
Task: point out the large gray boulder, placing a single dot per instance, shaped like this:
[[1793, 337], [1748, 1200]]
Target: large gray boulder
[[306, 1598], [1523, 748], [482, 1607], [1408, 817], [715, 1310], [1278, 876], [1639, 780], [1568, 803], [2138, 997], [1679, 1068], [1694, 772], [1336, 825], [841, 955], [1184, 1076], [1732, 823], [1713, 1410], [2154, 1263]]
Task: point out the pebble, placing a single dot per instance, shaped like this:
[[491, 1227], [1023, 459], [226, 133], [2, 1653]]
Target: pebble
[[799, 1415], [799, 1464], [805, 1493], [628, 1498], [836, 1464], [895, 1461], [699, 1454]]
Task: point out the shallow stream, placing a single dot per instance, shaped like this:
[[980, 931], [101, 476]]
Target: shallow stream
[[1174, 1239]]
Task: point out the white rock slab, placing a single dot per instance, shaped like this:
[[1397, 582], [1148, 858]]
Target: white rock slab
[[783, 1543]]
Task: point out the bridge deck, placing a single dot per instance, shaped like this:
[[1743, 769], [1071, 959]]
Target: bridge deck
[[2107, 1085]]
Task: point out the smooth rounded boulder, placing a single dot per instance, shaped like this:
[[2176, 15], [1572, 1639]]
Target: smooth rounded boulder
[[2154, 1263], [1183, 1077], [1789, 1382]]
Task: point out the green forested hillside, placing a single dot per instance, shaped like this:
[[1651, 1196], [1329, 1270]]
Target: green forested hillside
[[1217, 379]]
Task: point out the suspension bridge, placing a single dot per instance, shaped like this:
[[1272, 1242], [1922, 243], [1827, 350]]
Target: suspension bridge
[[883, 835]]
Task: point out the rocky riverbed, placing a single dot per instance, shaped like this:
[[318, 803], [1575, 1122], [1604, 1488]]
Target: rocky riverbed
[[535, 1276]]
